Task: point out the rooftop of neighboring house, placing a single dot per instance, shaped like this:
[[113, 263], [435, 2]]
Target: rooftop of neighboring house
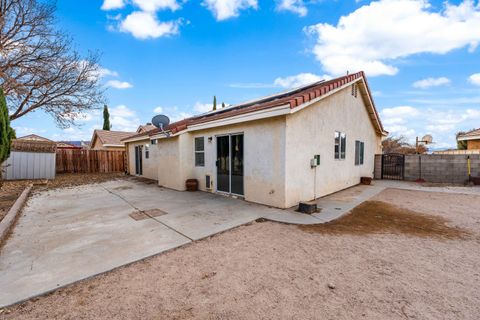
[[470, 135], [67, 145], [294, 98], [34, 137], [145, 128], [110, 138]]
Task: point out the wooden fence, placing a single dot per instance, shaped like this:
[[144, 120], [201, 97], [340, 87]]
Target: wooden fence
[[80, 161]]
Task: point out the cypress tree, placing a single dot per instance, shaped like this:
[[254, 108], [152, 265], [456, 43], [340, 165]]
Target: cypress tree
[[223, 104], [106, 118], [6, 132], [214, 103]]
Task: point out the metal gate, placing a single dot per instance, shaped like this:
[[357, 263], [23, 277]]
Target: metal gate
[[393, 166]]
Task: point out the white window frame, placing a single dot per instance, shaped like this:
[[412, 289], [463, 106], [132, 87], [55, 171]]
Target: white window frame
[[359, 152], [147, 151], [199, 152], [341, 144]]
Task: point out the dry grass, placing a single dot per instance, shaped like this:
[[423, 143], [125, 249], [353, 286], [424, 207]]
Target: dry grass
[[375, 217]]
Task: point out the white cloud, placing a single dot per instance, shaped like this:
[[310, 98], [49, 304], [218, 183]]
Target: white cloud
[[298, 80], [431, 82], [124, 119], [119, 84], [284, 82], [225, 9], [145, 25], [295, 6], [158, 110], [104, 72], [475, 79], [112, 4], [204, 107], [155, 5], [441, 123], [372, 37]]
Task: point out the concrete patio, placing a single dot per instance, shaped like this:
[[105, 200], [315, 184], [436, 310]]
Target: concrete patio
[[70, 234]]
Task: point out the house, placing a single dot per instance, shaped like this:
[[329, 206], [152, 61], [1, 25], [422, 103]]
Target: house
[[472, 138], [109, 140], [145, 128], [34, 137], [278, 150], [66, 145], [78, 144]]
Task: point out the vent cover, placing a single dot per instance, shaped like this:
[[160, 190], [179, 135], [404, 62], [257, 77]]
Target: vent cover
[[208, 182]]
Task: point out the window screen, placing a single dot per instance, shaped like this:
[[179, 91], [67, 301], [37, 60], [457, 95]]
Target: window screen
[[147, 151], [200, 152], [359, 150], [340, 145]]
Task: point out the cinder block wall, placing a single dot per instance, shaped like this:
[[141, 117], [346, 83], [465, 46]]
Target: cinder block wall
[[448, 168], [440, 168], [377, 173]]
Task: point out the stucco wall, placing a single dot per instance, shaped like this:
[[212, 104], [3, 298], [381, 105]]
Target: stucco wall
[[311, 131], [473, 144], [150, 165], [264, 158]]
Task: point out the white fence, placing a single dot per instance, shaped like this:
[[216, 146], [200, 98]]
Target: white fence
[[29, 165]]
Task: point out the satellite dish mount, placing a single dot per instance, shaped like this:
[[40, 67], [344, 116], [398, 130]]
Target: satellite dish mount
[[161, 121]]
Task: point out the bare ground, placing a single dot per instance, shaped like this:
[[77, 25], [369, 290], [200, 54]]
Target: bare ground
[[404, 255]]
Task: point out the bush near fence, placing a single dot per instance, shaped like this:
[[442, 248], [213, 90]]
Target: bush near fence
[[90, 161]]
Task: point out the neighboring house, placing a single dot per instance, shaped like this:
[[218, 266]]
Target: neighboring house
[[472, 138], [145, 128], [34, 137], [78, 144], [267, 150], [64, 145], [109, 140]]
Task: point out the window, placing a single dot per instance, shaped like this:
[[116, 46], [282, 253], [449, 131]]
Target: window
[[153, 141], [359, 150], [199, 152], [147, 151], [340, 145]]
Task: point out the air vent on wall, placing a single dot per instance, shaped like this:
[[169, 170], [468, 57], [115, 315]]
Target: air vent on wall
[[208, 182]]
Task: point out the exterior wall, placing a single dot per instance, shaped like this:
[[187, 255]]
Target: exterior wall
[[29, 165], [311, 131], [441, 168], [150, 165], [264, 159], [473, 144]]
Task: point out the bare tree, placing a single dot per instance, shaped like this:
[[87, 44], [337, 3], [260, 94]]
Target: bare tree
[[39, 69], [400, 145]]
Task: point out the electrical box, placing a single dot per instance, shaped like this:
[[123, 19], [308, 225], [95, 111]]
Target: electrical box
[[315, 161]]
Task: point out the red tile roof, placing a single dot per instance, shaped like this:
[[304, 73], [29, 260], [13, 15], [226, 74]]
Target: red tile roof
[[293, 98]]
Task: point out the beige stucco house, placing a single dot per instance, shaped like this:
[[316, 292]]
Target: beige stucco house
[[278, 150]]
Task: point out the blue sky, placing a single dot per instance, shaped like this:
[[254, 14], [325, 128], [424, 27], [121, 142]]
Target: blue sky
[[171, 57]]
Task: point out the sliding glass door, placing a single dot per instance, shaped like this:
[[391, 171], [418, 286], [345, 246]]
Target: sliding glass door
[[230, 164]]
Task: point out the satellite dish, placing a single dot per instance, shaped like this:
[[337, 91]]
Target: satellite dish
[[161, 121], [427, 139]]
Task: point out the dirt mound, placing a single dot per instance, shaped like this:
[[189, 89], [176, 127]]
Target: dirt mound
[[380, 217]]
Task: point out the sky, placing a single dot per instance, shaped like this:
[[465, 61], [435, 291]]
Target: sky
[[421, 58]]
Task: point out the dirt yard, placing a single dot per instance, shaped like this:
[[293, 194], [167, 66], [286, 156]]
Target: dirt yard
[[403, 255], [10, 190]]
